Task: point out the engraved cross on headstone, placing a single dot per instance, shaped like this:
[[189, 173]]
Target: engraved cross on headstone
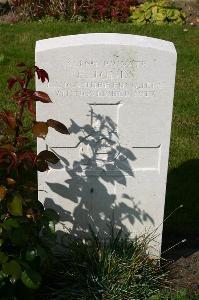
[[115, 93]]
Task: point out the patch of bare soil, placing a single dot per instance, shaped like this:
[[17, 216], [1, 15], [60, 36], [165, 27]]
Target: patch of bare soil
[[184, 273]]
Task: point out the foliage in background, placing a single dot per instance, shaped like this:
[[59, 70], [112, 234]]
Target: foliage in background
[[98, 10], [37, 9], [4, 8], [157, 12], [76, 10], [26, 229], [151, 11], [113, 270]]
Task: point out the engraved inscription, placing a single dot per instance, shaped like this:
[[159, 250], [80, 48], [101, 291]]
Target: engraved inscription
[[121, 74], [109, 78], [106, 88], [110, 62], [124, 94]]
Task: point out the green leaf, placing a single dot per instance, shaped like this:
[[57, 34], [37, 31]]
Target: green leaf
[[51, 214], [42, 253], [1, 242], [31, 279], [160, 17], [147, 5], [173, 14], [19, 237], [183, 14], [51, 226], [3, 258], [15, 205], [137, 15], [10, 223], [12, 268], [2, 276], [31, 254]]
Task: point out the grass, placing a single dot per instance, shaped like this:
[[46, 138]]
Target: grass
[[116, 270], [17, 43], [170, 295]]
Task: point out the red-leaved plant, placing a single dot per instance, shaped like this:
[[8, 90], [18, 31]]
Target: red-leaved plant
[[92, 10], [26, 227], [112, 10]]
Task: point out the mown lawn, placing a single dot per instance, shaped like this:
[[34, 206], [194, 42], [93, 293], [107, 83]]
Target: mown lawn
[[17, 44]]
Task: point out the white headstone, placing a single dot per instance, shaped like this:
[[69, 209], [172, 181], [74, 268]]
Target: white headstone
[[114, 92]]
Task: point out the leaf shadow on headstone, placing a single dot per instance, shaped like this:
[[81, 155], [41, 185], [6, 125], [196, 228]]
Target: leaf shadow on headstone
[[91, 182]]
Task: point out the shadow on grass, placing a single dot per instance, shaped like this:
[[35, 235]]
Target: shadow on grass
[[183, 189]]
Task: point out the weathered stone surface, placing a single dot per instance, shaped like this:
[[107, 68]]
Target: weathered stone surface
[[115, 94]]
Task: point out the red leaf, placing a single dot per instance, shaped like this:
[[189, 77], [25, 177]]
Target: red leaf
[[29, 73], [10, 181], [28, 158], [13, 162], [9, 118], [11, 83], [21, 101], [43, 158], [41, 74], [41, 96], [58, 126], [13, 80], [28, 92], [31, 106], [16, 95], [3, 192], [6, 147], [8, 158], [40, 129], [42, 166], [48, 156], [21, 141]]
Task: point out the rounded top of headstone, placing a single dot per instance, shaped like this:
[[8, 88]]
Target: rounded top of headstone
[[105, 39]]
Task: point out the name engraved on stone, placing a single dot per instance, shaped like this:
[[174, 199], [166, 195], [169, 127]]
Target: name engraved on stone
[[123, 74]]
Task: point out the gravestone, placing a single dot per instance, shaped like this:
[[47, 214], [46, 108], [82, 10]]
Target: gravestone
[[114, 92]]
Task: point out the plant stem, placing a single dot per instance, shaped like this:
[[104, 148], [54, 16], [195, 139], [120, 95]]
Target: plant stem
[[21, 111]]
